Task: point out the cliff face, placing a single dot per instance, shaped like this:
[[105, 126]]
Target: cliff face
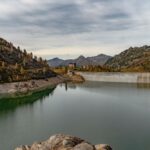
[[64, 142], [18, 65], [135, 59]]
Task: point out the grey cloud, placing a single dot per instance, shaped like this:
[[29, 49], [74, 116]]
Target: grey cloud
[[98, 19], [69, 18], [117, 15]]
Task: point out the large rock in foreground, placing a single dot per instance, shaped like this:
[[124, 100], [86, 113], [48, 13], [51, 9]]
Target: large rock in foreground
[[64, 142]]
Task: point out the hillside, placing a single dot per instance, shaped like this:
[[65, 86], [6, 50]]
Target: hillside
[[100, 59], [18, 65], [80, 61], [135, 59]]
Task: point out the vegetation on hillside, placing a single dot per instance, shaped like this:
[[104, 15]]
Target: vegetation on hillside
[[18, 65], [92, 68], [135, 59]]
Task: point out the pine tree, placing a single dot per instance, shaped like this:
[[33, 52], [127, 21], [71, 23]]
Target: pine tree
[[16, 66], [22, 70], [3, 64]]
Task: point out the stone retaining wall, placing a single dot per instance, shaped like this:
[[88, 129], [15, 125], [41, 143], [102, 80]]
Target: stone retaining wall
[[116, 77]]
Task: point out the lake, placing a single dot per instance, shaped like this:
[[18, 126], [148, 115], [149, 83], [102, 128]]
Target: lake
[[114, 113]]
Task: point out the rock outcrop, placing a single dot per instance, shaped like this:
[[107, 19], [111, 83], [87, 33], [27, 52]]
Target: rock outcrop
[[134, 59], [77, 78], [64, 142], [26, 87]]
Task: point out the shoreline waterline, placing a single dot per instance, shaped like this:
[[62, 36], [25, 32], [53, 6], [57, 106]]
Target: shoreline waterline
[[27, 88]]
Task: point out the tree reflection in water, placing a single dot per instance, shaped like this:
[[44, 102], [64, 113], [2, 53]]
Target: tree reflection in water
[[7, 104]]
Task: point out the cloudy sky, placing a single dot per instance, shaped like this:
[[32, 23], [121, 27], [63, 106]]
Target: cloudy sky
[[68, 28]]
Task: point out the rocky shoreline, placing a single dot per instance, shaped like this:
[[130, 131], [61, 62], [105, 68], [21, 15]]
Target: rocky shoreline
[[25, 87], [64, 142], [76, 78]]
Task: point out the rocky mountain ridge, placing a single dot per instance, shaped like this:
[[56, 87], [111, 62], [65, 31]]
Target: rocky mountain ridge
[[80, 61], [136, 59]]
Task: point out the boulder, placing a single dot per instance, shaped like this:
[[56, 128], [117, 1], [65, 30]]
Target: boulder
[[103, 147], [12, 91], [64, 142]]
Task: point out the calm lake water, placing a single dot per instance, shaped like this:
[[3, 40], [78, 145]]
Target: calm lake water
[[113, 113]]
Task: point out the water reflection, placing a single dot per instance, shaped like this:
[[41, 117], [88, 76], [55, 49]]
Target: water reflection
[[95, 85], [7, 104], [68, 85], [114, 113], [143, 85]]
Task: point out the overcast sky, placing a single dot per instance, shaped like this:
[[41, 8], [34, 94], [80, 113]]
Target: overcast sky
[[68, 28]]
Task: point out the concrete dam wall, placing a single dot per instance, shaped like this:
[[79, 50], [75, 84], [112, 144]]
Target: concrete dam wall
[[116, 77]]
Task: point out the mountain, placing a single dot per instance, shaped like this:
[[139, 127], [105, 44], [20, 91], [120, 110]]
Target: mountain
[[136, 59], [55, 62], [18, 65], [99, 59], [80, 61]]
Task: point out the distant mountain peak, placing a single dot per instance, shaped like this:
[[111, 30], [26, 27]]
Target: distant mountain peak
[[81, 57], [55, 62], [81, 61], [102, 55], [57, 58]]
